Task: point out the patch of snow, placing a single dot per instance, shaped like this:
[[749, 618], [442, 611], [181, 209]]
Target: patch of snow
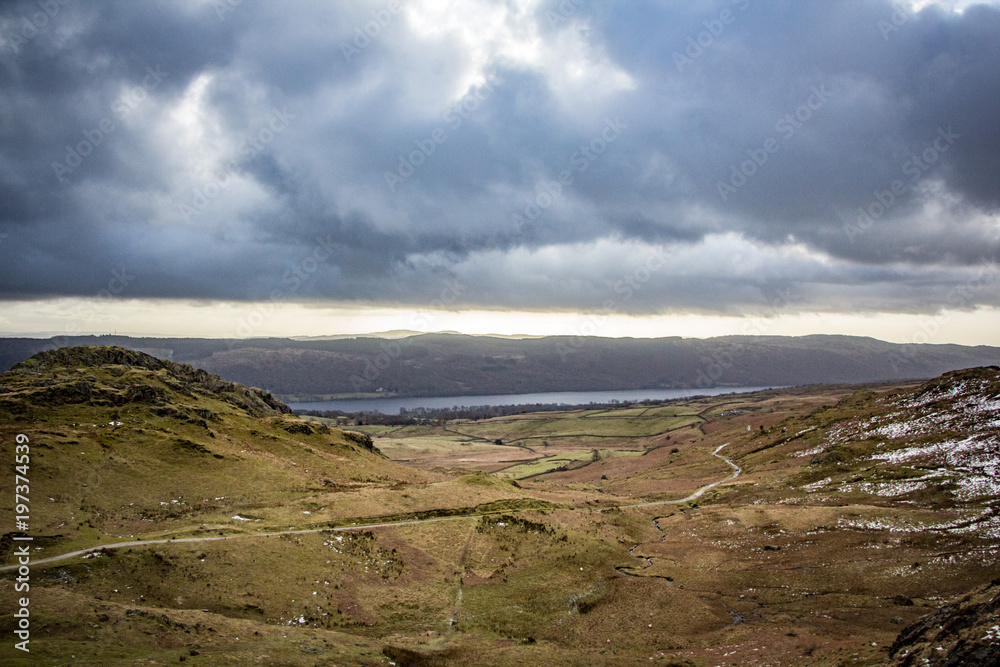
[[937, 395], [905, 455], [809, 452], [985, 483], [975, 459], [887, 489], [877, 524], [816, 486]]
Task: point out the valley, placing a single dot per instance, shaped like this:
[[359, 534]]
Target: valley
[[803, 526]]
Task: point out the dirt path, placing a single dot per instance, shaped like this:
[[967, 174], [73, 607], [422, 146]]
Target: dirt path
[[461, 574], [503, 443], [184, 540], [625, 569], [697, 494]]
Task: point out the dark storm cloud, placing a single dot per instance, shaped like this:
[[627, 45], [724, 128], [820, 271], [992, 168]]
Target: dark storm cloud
[[375, 151]]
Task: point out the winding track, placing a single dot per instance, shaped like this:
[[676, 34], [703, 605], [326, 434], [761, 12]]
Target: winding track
[[141, 543], [697, 494]]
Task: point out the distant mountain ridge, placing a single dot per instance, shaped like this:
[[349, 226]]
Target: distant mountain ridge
[[453, 364]]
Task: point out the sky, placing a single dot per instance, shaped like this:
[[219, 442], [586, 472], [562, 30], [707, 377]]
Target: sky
[[232, 168]]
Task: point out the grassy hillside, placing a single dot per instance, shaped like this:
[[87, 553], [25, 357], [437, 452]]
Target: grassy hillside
[[125, 445]]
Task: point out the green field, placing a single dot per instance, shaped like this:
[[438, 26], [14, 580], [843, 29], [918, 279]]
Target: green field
[[626, 424], [622, 425], [561, 461]]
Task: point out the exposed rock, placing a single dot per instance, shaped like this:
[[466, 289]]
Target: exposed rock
[[52, 378], [144, 393], [90, 356], [302, 428], [966, 633], [362, 439]]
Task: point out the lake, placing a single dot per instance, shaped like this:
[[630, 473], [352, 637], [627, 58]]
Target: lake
[[392, 406]]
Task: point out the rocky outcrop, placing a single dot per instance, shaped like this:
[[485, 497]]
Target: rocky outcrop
[[963, 634], [115, 376], [362, 439]]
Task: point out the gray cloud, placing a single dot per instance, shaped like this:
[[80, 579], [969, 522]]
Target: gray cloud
[[221, 152]]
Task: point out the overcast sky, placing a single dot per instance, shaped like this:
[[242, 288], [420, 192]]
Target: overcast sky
[[227, 168]]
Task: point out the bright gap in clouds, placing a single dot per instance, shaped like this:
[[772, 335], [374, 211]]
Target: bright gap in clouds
[[508, 34], [176, 318], [957, 6]]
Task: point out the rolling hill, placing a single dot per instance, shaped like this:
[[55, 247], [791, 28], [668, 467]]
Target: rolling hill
[[128, 445], [125, 444]]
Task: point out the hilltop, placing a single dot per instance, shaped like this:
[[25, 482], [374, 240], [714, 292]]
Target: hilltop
[[124, 444], [58, 377], [456, 365]]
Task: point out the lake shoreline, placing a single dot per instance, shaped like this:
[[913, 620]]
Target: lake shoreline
[[393, 405]]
